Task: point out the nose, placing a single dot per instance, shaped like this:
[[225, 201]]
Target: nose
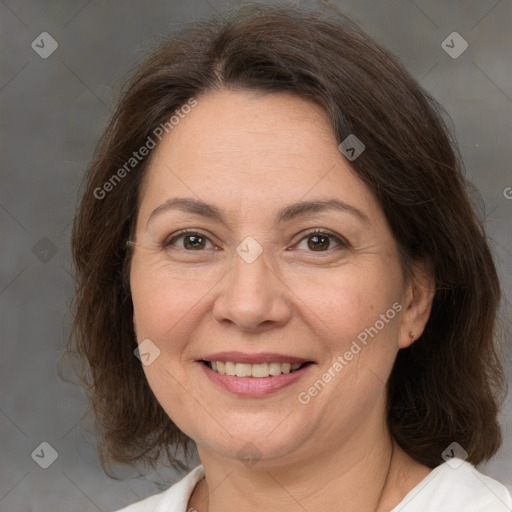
[[252, 297]]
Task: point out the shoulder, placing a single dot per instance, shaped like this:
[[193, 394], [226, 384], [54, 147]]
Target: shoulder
[[457, 485], [173, 499]]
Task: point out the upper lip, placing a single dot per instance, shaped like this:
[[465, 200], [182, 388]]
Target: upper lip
[[263, 357]]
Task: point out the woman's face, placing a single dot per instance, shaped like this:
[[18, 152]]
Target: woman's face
[[253, 284]]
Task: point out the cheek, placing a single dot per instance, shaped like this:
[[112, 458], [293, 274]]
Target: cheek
[[165, 312], [351, 300], [163, 307]]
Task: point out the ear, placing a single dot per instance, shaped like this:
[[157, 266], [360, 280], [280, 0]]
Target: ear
[[419, 296]]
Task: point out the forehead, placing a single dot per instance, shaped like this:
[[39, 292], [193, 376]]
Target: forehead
[[253, 148]]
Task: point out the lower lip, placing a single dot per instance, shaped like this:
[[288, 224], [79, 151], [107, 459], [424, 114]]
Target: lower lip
[[254, 386]]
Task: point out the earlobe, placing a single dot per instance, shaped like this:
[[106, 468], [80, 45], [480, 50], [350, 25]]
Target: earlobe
[[420, 295]]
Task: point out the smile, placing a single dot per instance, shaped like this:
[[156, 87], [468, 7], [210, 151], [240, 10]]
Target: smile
[[257, 379], [260, 370]]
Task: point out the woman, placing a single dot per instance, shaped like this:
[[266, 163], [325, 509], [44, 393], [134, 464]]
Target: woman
[[277, 262]]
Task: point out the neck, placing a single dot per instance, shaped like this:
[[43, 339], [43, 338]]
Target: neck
[[369, 477]]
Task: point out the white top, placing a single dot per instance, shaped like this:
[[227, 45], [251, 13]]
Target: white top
[[455, 486]]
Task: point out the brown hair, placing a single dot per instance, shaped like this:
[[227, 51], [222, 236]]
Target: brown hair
[[446, 386]]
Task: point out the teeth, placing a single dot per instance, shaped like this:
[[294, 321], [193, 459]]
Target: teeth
[[259, 370], [230, 368], [243, 370], [274, 368], [253, 370]]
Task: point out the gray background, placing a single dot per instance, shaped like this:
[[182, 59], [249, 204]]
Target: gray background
[[54, 110]]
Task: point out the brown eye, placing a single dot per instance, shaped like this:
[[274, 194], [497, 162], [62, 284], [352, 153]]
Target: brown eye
[[194, 242], [318, 242], [322, 241], [191, 241]]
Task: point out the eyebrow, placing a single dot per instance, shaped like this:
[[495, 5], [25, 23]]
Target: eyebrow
[[292, 211]]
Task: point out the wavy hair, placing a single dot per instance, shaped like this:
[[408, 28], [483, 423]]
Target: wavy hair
[[447, 386]]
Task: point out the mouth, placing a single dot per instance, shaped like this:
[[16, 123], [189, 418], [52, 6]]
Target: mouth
[[254, 375], [257, 371]]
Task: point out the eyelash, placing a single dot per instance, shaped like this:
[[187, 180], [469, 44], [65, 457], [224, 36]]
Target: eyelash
[[341, 241]]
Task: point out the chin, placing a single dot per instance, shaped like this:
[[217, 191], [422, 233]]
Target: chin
[[267, 440]]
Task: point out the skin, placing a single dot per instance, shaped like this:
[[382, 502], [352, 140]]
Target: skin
[[250, 155]]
